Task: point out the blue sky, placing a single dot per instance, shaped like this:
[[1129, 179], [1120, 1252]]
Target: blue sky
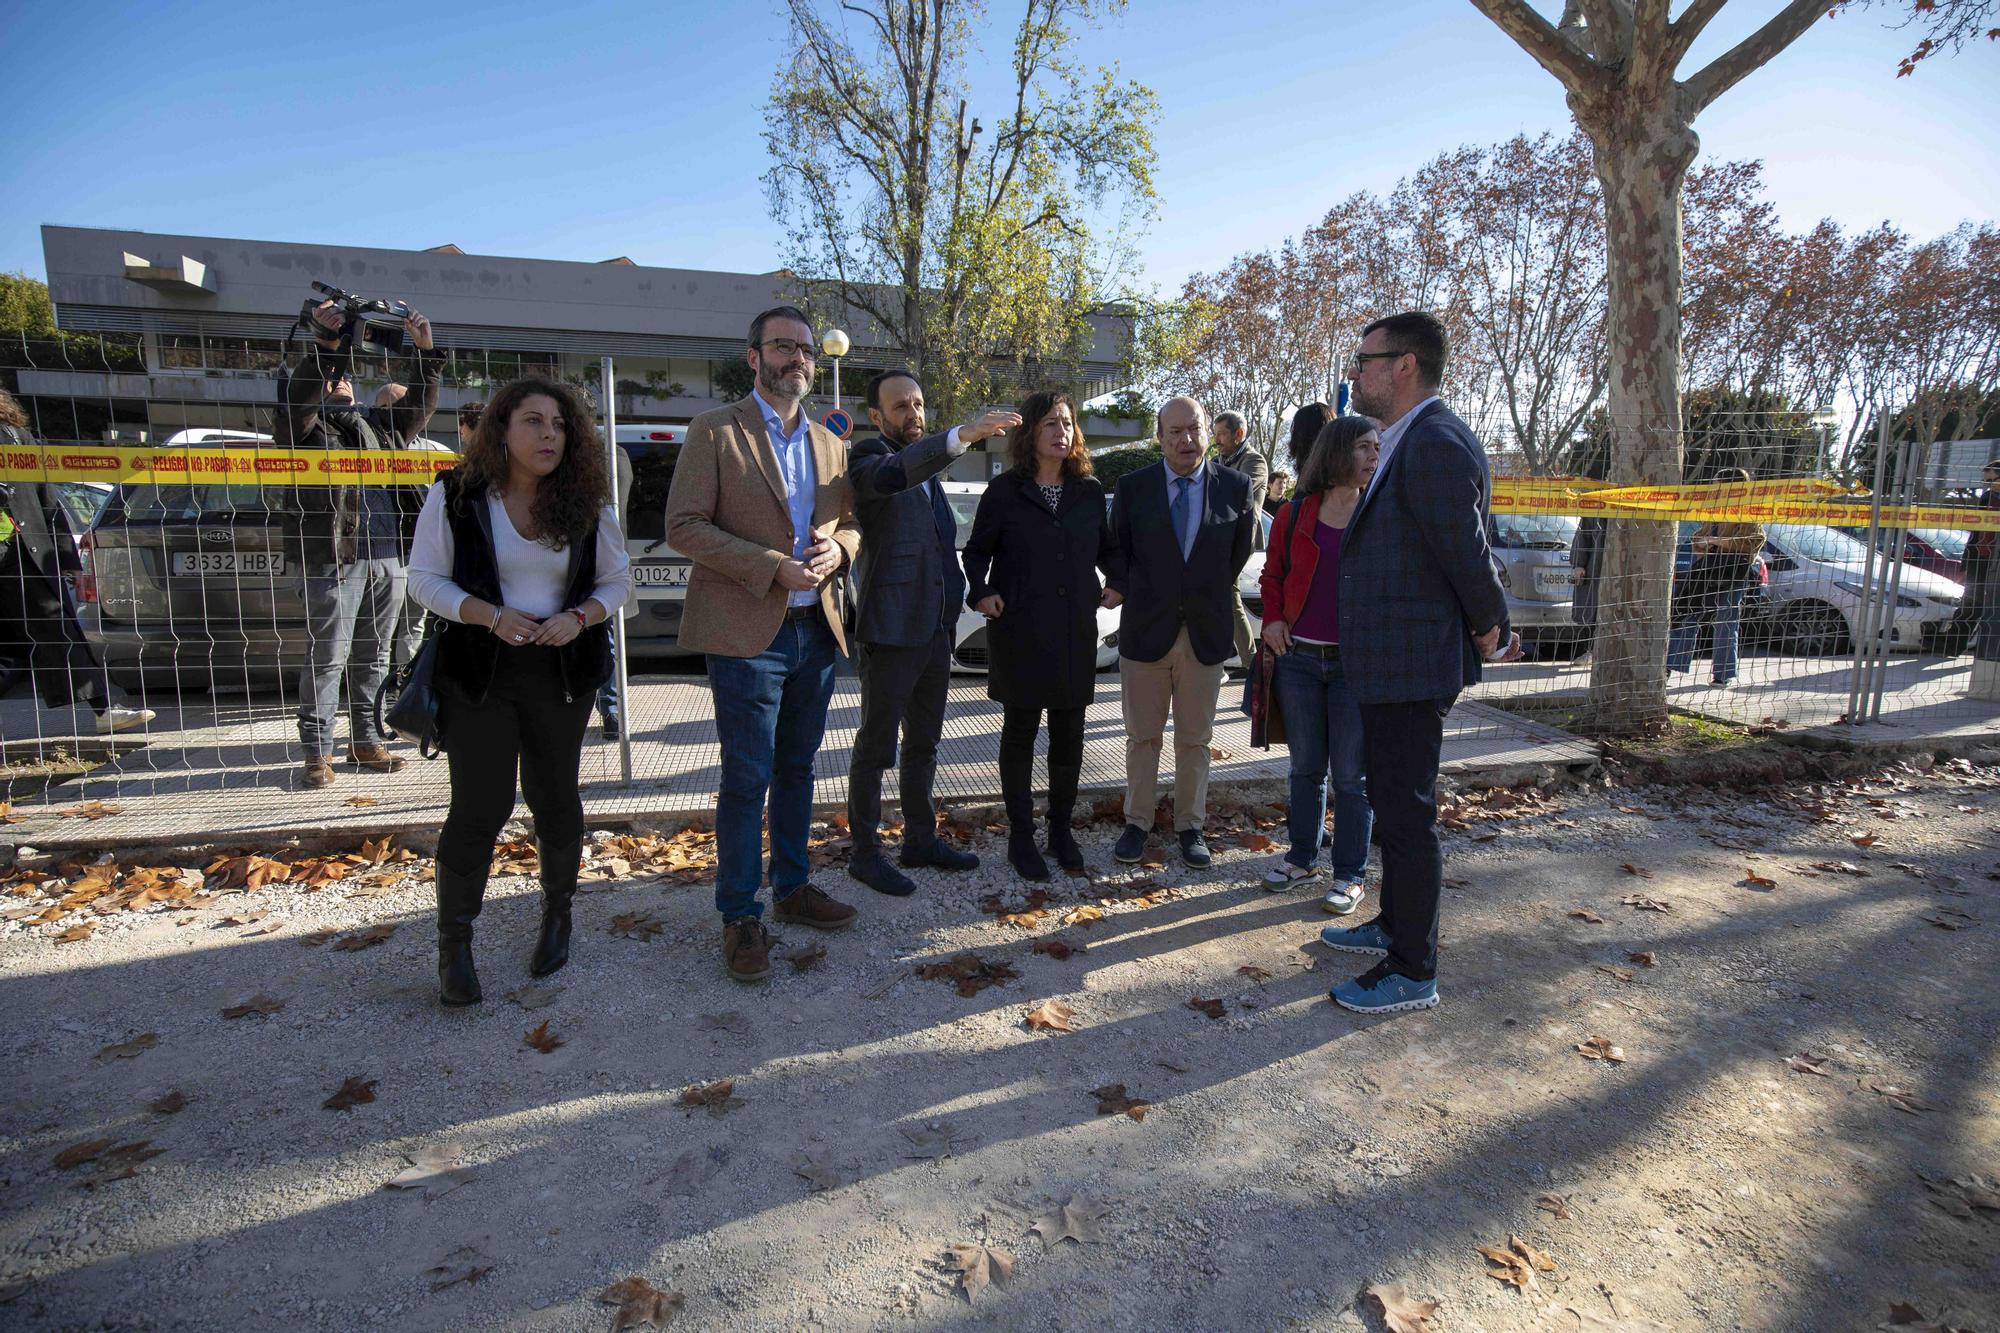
[[588, 130]]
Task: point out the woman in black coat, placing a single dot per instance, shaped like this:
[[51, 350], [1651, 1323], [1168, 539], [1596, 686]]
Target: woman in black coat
[[1038, 540]]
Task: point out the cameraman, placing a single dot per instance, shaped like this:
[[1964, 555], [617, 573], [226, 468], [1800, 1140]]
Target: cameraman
[[354, 552]]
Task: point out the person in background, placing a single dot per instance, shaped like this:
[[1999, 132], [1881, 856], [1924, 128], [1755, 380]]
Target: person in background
[[609, 713], [519, 552], [908, 589], [1982, 593], [1301, 590], [410, 500], [38, 623], [1307, 423], [1039, 539], [1182, 532], [1281, 491], [1725, 562], [1586, 558], [1233, 451]]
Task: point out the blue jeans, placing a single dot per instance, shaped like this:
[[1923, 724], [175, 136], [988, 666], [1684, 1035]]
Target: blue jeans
[[1323, 729], [770, 716], [1726, 609], [351, 615]]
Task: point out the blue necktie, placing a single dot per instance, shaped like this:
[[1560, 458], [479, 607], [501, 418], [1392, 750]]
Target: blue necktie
[[1183, 514]]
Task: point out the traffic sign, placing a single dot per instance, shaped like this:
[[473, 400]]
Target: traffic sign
[[839, 422]]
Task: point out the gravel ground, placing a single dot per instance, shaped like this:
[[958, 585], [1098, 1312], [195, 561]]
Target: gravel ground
[[1293, 1155]]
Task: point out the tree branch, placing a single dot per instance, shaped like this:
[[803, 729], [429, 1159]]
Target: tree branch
[[1683, 31], [1553, 51], [1733, 65]]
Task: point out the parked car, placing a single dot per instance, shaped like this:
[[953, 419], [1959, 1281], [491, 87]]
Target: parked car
[[968, 653], [1531, 556], [189, 585], [659, 573], [1939, 550], [1816, 588]]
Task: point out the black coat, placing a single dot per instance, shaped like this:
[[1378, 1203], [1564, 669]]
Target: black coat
[[1042, 650], [1165, 592], [906, 579]]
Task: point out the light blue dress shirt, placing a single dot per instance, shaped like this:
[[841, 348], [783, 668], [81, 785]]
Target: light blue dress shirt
[[795, 465], [1197, 494], [1391, 435]]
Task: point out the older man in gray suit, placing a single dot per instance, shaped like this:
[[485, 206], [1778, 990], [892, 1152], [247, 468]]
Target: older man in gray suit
[[1233, 451], [1420, 609], [909, 590]]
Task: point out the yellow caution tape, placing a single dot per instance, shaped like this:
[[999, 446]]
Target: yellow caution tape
[[1790, 500], [150, 465]]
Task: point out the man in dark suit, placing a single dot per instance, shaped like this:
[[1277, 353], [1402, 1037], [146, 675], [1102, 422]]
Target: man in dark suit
[[1233, 451], [909, 589], [1420, 608], [1183, 528]]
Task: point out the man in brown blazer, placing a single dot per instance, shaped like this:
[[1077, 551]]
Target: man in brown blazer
[[760, 504]]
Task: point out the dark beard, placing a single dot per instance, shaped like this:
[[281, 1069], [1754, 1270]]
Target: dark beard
[[771, 382], [910, 434]]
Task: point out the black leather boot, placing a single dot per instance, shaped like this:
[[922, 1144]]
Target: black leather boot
[[1063, 780], [459, 896], [864, 825], [1017, 791], [559, 868]]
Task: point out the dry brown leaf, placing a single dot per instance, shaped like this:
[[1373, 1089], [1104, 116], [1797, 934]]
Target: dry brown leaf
[[1600, 1048], [978, 1267], [1640, 871], [78, 1153], [1254, 973], [1623, 974], [1256, 842], [1058, 949], [1644, 903], [1586, 915], [1863, 839], [969, 973], [461, 1265], [1514, 1269], [1082, 916], [354, 1091], [362, 801], [256, 1004], [125, 1050], [1111, 1100], [434, 1170], [640, 1304], [542, 1039], [169, 1104], [1401, 1312], [1902, 1098], [1807, 1064], [77, 933], [822, 1176], [122, 1162], [1755, 880], [1052, 1015], [7, 815], [1557, 1204], [365, 939], [1540, 1260], [803, 957], [930, 1141], [1076, 1220], [1644, 958], [1963, 1195], [93, 811], [1214, 1008], [641, 926], [534, 997]]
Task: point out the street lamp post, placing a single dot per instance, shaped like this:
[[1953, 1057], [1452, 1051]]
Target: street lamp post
[[1824, 421], [834, 343]]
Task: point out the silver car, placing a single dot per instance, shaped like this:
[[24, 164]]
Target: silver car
[[1531, 556]]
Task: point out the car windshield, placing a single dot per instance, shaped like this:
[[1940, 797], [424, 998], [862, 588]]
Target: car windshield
[[179, 504], [1811, 542], [82, 501], [1945, 541], [652, 477], [1534, 532]]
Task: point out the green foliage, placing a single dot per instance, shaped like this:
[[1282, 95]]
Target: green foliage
[[1112, 464], [965, 248], [25, 306], [734, 380]]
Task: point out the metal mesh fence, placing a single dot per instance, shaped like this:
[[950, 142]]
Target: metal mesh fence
[[156, 629]]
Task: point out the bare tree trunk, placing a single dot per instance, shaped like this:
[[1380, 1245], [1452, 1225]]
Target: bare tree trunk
[[1641, 160]]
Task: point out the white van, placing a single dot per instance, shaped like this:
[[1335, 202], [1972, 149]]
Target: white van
[[659, 575]]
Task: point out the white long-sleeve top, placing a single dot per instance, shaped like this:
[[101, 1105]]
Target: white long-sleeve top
[[533, 578]]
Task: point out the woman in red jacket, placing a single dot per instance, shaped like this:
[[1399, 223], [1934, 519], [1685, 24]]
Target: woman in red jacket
[[1301, 589]]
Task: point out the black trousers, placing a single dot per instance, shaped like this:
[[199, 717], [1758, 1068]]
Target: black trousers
[[901, 689], [1400, 744], [1018, 725], [523, 726]]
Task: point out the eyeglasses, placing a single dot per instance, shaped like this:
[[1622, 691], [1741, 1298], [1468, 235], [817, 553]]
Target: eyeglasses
[[786, 349], [1361, 359]]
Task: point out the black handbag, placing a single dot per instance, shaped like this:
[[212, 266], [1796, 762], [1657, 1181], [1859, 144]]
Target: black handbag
[[408, 702], [1267, 720]]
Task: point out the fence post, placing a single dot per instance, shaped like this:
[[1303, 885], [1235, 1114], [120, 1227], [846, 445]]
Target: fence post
[[1865, 631], [1908, 463], [618, 616]]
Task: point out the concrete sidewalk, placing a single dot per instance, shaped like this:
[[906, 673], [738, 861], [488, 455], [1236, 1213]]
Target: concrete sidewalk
[[223, 768]]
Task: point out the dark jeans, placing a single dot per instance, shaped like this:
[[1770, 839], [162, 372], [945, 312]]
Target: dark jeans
[[1725, 609], [1018, 725], [770, 717], [1400, 744], [1323, 732], [906, 686], [522, 725], [351, 616]]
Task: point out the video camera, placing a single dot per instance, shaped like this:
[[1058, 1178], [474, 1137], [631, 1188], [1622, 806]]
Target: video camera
[[377, 336]]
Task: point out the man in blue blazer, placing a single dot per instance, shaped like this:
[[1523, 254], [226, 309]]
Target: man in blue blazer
[[909, 589], [1420, 608], [1185, 528]]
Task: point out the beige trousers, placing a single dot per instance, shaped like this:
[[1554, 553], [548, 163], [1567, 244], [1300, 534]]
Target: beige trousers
[[1149, 689]]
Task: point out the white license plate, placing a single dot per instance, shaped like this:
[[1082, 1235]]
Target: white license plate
[[228, 562], [1555, 579], [661, 576]]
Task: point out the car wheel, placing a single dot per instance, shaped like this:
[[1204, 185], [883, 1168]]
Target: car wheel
[[1814, 629]]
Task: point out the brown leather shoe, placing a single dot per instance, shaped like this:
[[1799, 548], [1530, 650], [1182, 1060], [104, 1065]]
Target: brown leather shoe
[[318, 771], [810, 907], [746, 949], [377, 758]]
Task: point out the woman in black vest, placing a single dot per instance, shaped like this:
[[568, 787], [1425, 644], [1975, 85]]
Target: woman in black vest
[[519, 552], [1038, 539]]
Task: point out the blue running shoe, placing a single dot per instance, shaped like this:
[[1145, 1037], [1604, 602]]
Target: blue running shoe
[[1380, 991], [1368, 938]]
